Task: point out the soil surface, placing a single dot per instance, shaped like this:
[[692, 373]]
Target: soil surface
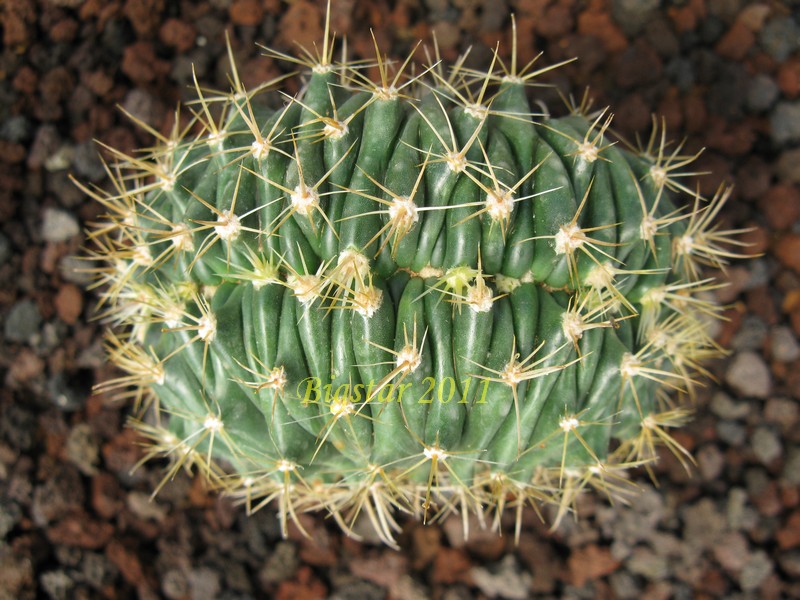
[[77, 522]]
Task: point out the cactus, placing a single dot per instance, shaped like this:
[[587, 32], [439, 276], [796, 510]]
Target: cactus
[[410, 295]]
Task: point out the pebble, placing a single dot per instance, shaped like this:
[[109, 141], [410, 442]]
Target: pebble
[[781, 206], [762, 93], [749, 375], [204, 583], [738, 512], [787, 250], [731, 551], [751, 335], [791, 467], [710, 461], [780, 36], [788, 166], [633, 15], [625, 586], [22, 322], [726, 407], [784, 345], [69, 303], [648, 564], [174, 585], [86, 162], [503, 580], [790, 562], [10, 515], [82, 449], [16, 129], [57, 584], [280, 565], [783, 412], [757, 569], [75, 270], [59, 225], [784, 121], [703, 523]]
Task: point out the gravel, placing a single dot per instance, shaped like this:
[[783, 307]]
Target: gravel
[[780, 37], [59, 225], [784, 123], [762, 93], [22, 322], [749, 375], [784, 345], [766, 445]]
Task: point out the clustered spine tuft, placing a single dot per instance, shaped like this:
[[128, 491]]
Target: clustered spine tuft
[[411, 296]]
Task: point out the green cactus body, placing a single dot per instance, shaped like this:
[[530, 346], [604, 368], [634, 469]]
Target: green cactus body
[[365, 302]]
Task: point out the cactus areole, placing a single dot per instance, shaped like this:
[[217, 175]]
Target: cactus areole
[[409, 295]]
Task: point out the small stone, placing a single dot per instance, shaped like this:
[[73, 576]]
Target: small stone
[[789, 535], [710, 461], [174, 585], [633, 15], [280, 565], [204, 583], [790, 563], [757, 569], [784, 345], [247, 12], [69, 303], [57, 584], [79, 530], [10, 515], [787, 250], [788, 166], [736, 42], [16, 129], [74, 270], [648, 564], [788, 78], [503, 580], [766, 445], [749, 375], [82, 449], [791, 467], [22, 322], [726, 407], [780, 36], [751, 335], [737, 509], [450, 566], [781, 206], [177, 34], [45, 143], [762, 93], [145, 507], [59, 225], [126, 560], [703, 523], [732, 552], [784, 123], [86, 162], [782, 412]]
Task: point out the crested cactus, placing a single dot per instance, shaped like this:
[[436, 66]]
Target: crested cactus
[[405, 295]]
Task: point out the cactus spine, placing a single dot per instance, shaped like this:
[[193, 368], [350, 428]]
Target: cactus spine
[[411, 295]]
